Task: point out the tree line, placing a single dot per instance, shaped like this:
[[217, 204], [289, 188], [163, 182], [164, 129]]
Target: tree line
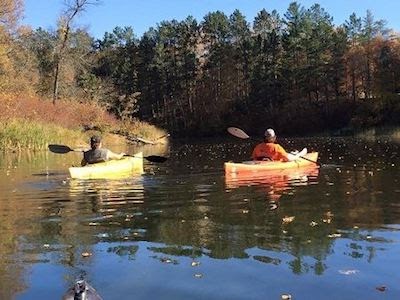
[[298, 72]]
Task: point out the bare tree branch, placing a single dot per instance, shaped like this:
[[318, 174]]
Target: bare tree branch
[[73, 9]]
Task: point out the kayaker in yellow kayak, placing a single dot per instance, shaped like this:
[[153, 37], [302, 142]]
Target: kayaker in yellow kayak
[[98, 154], [269, 150]]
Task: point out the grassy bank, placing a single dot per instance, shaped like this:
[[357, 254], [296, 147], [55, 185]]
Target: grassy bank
[[20, 134], [33, 123]]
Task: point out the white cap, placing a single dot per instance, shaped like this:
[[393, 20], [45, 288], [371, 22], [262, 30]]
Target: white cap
[[269, 133]]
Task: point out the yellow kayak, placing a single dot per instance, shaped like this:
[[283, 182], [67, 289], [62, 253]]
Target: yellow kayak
[[248, 168], [124, 167]]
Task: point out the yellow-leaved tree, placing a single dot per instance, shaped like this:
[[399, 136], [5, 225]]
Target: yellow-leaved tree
[[10, 14]]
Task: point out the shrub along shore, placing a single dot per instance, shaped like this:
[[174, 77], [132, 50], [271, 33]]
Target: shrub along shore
[[30, 123]]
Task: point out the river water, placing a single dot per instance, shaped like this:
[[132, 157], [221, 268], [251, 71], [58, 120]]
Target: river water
[[184, 231]]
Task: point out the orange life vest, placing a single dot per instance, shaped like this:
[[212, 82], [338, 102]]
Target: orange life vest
[[269, 150]]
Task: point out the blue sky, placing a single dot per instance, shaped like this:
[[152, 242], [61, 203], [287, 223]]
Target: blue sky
[[142, 14]]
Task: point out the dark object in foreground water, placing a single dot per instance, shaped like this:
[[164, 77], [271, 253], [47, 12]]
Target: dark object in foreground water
[[81, 290]]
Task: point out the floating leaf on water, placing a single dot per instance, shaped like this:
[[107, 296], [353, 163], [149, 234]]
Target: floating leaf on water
[[313, 223], [286, 297], [287, 219], [245, 211], [334, 235], [94, 224], [46, 246], [166, 260], [381, 288], [198, 275], [273, 205], [348, 272], [195, 263], [86, 254]]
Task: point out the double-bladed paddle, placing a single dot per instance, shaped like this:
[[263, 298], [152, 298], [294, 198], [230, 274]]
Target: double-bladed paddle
[[237, 132], [62, 149]]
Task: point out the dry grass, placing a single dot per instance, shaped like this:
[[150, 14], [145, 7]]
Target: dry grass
[[20, 134], [67, 114], [142, 129], [32, 123]]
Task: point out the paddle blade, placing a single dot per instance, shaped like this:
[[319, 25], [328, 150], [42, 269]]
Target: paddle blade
[[155, 158], [238, 133], [60, 149]]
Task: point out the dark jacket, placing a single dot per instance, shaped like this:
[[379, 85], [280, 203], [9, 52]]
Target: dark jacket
[[95, 156]]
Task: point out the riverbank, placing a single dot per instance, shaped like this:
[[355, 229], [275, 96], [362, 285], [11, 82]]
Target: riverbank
[[33, 123]]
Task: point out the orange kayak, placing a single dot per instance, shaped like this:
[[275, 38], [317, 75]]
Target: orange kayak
[[277, 180], [248, 168]]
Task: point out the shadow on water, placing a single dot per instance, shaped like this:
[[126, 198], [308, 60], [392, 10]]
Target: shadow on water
[[183, 228]]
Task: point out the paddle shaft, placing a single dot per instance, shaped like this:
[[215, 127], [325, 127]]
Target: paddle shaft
[[63, 149]]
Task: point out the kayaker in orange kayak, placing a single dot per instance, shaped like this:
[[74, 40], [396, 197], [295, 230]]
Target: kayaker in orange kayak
[[269, 150], [98, 154]]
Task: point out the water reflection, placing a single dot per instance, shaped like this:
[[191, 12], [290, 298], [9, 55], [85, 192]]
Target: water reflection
[[183, 228], [275, 183]]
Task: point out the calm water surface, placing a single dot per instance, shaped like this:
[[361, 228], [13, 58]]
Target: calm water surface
[[183, 231]]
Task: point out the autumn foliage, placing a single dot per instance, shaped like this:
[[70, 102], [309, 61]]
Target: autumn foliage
[[68, 114], [298, 72]]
